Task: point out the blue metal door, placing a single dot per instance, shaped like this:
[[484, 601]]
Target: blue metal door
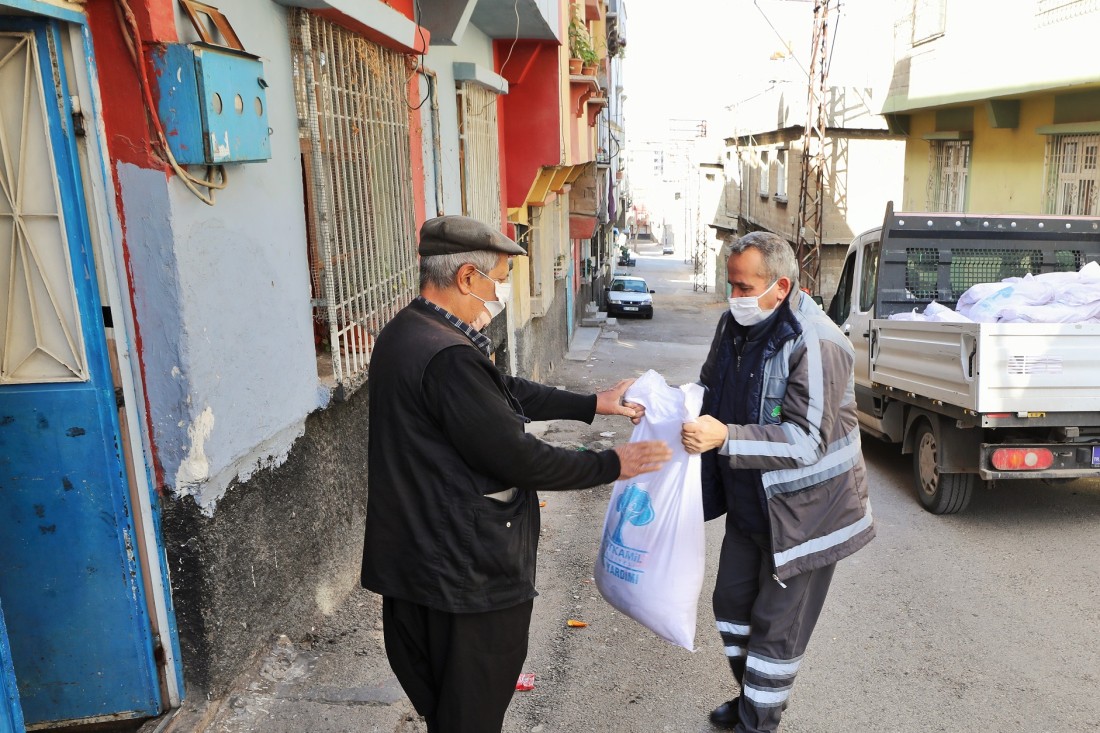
[[11, 715], [70, 580]]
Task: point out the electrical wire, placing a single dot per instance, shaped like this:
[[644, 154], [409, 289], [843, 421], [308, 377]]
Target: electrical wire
[[132, 37], [515, 39], [419, 64], [764, 15]]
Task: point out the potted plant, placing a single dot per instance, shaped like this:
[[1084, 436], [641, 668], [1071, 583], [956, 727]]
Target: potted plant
[[580, 47], [591, 61]]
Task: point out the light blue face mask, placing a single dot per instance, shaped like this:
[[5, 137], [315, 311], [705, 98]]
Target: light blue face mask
[[747, 310]]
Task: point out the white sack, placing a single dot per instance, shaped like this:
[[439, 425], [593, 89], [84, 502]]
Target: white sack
[[652, 554]]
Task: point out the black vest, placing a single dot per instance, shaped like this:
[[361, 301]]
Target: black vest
[[432, 537]]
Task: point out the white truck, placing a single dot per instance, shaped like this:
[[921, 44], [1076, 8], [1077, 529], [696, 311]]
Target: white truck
[[971, 402]]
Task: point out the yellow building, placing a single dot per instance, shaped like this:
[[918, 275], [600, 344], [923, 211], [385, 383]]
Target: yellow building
[[1000, 104]]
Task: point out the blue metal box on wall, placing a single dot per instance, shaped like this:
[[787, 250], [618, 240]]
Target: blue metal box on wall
[[212, 104]]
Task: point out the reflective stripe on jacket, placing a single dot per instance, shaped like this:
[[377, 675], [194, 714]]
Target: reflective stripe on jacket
[[808, 451]]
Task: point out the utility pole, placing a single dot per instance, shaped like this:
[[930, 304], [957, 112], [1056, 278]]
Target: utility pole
[[811, 199]]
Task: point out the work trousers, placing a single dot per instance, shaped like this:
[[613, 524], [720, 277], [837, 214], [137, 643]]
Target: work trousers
[[458, 669], [765, 626]]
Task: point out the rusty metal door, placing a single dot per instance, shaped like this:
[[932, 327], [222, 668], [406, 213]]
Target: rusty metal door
[[70, 582]]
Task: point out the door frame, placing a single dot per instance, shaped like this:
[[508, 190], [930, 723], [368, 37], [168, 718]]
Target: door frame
[[105, 228]]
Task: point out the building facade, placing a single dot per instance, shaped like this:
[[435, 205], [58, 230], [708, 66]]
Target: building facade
[[1016, 132], [206, 217]]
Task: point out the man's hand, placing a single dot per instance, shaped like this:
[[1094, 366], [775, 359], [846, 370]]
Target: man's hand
[[611, 402], [642, 457], [703, 434]]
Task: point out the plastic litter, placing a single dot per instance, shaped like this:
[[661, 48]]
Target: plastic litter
[[526, 681]]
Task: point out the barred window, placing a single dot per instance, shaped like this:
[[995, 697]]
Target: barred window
[[947, 174], [1072, 175], [480, 154], [353, 123]]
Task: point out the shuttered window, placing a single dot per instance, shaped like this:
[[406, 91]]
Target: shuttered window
[[1072, 175], [948, 172], [353, 123]]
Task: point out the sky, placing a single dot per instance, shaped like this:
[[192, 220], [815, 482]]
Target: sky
[[690, 59]]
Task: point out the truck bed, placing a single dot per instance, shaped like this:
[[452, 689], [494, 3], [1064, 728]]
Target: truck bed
[[991, 367]]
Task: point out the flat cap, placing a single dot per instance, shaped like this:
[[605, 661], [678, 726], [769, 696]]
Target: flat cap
[[446, 235]]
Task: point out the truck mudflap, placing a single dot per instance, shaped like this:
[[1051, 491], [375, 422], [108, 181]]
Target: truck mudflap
[[1009, 461]]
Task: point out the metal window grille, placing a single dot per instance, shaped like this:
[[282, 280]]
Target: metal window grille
[[948, 172], [765, 173], [1072, 175], [353, 122], [969, 267], [480, 153]]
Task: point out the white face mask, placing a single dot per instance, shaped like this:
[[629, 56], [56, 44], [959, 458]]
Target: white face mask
[[747, 310], [503, 292]]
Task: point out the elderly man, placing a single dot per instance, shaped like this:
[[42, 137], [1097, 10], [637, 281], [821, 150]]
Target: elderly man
[[782, 461], [452, 514]]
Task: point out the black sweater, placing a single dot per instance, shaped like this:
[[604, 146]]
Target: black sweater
[[446, 428]]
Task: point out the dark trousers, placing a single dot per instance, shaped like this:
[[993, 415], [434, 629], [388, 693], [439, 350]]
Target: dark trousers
[[765, 627], [458, 669]]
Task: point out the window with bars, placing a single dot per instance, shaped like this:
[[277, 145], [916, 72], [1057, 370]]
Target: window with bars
[[947, 174], [480, 153], [353, 122], [1072, 175]]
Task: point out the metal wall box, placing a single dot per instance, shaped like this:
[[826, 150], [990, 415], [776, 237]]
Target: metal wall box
[[212, 104]]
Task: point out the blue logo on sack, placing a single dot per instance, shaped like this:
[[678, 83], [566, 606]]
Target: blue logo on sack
[[620, 560]]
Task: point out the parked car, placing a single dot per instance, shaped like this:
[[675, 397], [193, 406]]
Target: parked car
[[668, 250], [628, 295]]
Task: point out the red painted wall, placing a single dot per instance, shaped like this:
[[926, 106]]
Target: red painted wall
[[128, 135], [531, 126]]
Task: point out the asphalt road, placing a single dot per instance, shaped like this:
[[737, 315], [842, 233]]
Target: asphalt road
[[984, 621]]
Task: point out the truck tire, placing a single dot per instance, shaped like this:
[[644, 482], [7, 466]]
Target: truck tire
[[939, 493]]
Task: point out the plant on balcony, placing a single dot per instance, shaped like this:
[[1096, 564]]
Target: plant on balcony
[[580, 47]]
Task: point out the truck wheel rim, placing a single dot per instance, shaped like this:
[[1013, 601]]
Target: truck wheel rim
[[929, 476]]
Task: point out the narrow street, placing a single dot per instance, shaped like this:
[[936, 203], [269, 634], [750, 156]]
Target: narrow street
[[983, 621]]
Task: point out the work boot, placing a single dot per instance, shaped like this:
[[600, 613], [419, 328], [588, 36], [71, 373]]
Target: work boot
[[725, 715]]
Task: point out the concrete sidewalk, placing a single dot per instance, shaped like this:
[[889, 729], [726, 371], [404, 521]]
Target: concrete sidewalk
[[337, 680]]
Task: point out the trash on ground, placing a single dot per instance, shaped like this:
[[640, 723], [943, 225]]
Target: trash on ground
[[526, 681], [575, 624]]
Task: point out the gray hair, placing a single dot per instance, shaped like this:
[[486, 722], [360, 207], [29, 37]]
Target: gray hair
[[777, 255], [439, 270]]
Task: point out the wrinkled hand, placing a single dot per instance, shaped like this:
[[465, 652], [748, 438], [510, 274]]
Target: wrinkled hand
[[642, 457], [703, 434], [610, 402]]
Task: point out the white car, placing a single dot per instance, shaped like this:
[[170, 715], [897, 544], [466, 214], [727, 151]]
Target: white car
[[628, 295]]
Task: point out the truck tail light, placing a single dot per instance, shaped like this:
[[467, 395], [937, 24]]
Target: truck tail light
[[1022, 459]]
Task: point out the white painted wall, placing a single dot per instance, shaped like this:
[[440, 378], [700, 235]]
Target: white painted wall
[[474, 47], [222, 295]]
